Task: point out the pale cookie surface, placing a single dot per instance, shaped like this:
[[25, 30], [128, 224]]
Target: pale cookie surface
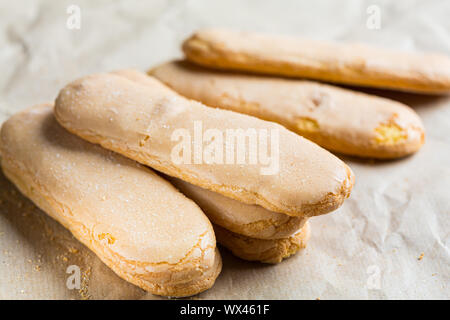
[[137, 116], [340, 120], [249, 220], [355, 64], [263, 250], [136, 222]]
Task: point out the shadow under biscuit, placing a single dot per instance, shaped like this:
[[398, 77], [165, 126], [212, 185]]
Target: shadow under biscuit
[[412, 99], [348, 159], [52, 249]]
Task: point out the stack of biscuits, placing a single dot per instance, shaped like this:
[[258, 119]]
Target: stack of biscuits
[[105, 159]]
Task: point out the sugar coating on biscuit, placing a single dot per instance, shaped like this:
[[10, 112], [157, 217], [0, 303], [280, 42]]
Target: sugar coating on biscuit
[[125, 213]]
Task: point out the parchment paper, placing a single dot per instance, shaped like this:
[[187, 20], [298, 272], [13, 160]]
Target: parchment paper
[[389, 240]]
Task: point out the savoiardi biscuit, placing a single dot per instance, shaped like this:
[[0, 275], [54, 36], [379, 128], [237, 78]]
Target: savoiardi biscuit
[[125, 213], [141, 118], [354, 64], [245, 219], [263, 250], [338, 119]]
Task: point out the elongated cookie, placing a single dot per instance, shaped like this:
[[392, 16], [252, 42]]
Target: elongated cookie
[[141, 118], [337, 119], [354, 64], [264, 250], [245, 219], [136, 222]]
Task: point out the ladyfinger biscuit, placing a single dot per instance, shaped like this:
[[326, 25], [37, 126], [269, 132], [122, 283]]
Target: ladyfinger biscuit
[[337, 119], [263, 250], [141, 118], [136, 222], [354, 64], [248, 220]]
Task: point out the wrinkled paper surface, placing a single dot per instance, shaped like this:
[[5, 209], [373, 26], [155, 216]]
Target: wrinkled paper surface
[[389, 240]]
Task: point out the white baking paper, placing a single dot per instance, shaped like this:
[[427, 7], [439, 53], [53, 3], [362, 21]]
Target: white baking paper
[[390, 240]]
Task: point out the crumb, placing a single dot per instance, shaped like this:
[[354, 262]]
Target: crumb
[[37, 268], [434, 274], [84, 290], [421, 256], [73, 250], [317, 298]]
